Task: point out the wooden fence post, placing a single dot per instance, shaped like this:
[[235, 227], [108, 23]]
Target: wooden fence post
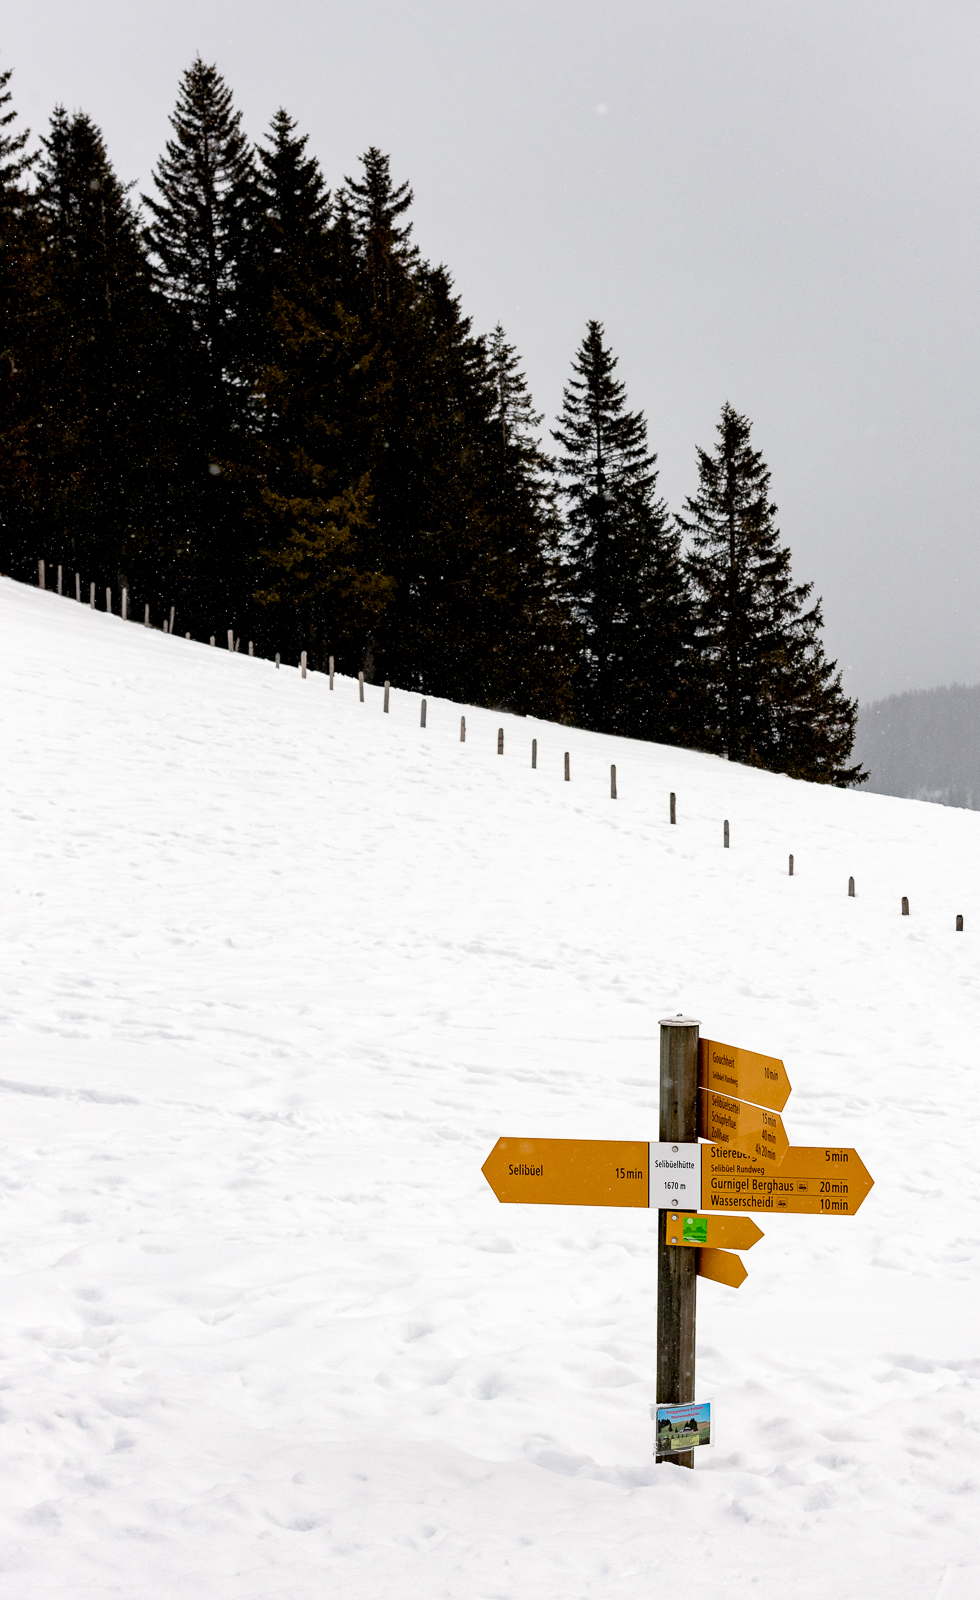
[[124, 604], [422, 719], [251, 648], [612, 783], [108, 599], [791, 866], [186, 635], [237, 643], [905, 905], [302, 663], [212, 638], [568, 775], [387, 690], [40, 574], [78, 587], [534, 753], [850, 888], [146, 615], [59, 577], [959, 924], [677, 1269], [673, 807], [277, 657], [91, 596], [726, 833], [360, 685], [331, 673], [500, 741], [173, 610], [462, 730]]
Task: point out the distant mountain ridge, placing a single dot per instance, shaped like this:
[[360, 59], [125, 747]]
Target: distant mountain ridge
[[924, 745]]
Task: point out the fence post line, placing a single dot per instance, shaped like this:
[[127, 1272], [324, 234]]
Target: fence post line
[[91, 596], [422, 718], [59, 577], [791, 866], [331, 672], [612, 782], [78, 587], [726, 833], [462, 730], [677, 1269], [673, 807], [360, 686], [387, 689], [568, 775], [40, 574], [534, 753]]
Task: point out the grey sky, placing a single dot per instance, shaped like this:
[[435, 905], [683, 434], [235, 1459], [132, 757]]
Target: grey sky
[[769, 202]]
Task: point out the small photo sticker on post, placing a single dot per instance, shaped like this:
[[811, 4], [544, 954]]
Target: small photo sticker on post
[[682, 1427]]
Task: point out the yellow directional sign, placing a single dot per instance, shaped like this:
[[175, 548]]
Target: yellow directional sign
[[570, 1172], [740, 1126], [824, 1180], [725, 1233], [742, 1074], [722, 1266]]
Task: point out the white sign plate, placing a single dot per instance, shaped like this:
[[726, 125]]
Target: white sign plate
[[675, 1177]]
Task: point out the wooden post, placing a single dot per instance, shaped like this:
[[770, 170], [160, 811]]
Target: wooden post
[[568, 775], [500, 741], [251, 648], [726, 833], [59, 577], [78, 587], [186, 635], [462, 730], [387, 689], [231, 639], [612, 783], [791, 866], [91, 596], [534, 753], [146, 615], [40, 574], [172, 611], [959, 924], [237, 643], [677, 1269], [108, 599], [850, 887], [905, 905], [277, 657], [331, 673], [124, 605], [302, 663], [360, 685], [422, 719], [673, 807], [212, 638], [165, 625]]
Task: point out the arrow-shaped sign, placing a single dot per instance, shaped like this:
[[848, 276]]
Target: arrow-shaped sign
[[825, 1180], [570, 1172], [723, 1233], [742, 1074], [722, 1266], [740, 1126]]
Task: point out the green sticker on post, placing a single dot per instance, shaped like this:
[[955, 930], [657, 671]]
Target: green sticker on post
[[695, 1230]]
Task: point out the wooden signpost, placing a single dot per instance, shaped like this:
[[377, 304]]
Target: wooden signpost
[[730, 1098]]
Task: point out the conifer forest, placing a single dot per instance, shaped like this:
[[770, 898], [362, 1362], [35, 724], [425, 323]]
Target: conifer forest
[[247, 394]]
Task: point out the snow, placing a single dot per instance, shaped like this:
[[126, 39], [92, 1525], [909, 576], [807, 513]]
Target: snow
[[277, 972]]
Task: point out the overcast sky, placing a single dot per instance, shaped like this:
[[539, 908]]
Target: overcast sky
[[766, 202]]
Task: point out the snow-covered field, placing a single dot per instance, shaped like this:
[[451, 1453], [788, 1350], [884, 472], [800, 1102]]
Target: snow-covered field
[[277, 970]]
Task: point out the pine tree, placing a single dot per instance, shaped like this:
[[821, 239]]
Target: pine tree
[[24, 301], [198, 235], [625, 575], [772, 697]]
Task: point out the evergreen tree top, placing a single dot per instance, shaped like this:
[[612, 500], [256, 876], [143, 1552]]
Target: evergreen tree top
[[14, 163], [291, 186]]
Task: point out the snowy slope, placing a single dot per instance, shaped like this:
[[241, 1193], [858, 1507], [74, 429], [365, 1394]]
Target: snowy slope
[[277, 971]]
